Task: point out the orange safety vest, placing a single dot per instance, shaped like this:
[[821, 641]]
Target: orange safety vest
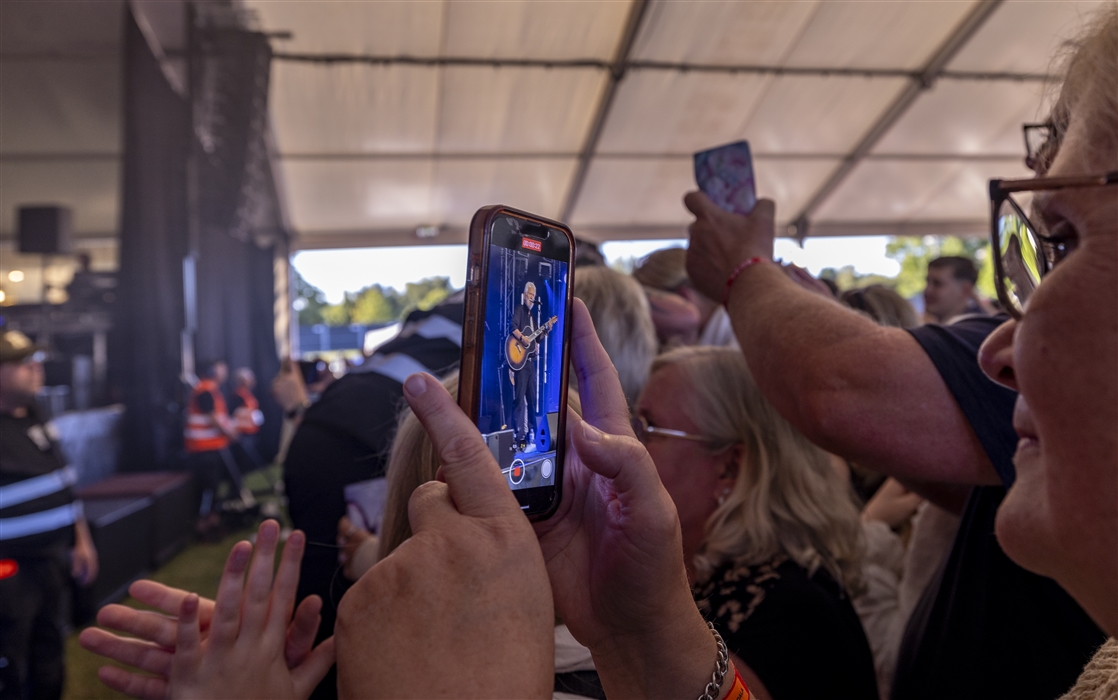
[[248, 417], [201, 434]]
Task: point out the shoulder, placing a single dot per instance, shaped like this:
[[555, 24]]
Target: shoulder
[[961, 337]]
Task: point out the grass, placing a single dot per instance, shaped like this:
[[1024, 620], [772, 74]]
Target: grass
[[197, 568]]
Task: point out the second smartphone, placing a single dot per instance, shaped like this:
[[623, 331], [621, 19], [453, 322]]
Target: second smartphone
[[516, 348]]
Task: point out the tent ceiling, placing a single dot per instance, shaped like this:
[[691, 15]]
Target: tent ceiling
[[395, 114], [375, 145]]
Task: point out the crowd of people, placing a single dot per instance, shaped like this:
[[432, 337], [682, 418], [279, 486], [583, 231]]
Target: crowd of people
[[773, 489]]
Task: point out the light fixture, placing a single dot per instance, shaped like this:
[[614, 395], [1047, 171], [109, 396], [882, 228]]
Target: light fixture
[[15, 276], [426, 231], [3, 296]]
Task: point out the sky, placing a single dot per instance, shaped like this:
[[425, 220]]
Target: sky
[[348, 270]]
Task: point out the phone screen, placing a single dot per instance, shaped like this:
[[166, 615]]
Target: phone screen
[[521, 379]]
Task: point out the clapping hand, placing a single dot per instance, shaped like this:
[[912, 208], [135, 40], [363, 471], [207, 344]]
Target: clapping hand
[[155, 648]]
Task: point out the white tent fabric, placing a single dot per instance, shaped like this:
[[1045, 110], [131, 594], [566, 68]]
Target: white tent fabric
[[393, 115]]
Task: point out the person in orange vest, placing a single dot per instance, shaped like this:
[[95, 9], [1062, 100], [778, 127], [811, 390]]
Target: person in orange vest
[[207, 435], [247, 417]]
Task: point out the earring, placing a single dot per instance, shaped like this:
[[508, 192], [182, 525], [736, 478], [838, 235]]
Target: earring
[[723, 495]]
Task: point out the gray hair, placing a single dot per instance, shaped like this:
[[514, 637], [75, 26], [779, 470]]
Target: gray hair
[[623, 320]]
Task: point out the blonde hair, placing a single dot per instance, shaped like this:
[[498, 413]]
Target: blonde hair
[[787, 499], [413, 461], [664, 269], [623, 320], [882, 305]]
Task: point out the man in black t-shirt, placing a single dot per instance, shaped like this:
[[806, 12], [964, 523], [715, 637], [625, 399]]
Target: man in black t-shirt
[[917, 407], [524, 379], [44, 539]]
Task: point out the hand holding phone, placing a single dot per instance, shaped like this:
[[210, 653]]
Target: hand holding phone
[[725, 174]]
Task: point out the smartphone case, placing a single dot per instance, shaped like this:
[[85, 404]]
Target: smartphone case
[[725, 174], [473, 327]]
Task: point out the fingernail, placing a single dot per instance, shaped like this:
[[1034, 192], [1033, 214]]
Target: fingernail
[[590, 432], [415, 385]]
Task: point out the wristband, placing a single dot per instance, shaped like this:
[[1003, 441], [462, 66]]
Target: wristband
[[742, 267], [738, 691]]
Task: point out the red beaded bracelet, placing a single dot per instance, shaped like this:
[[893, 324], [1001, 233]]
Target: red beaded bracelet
[[742, 267]]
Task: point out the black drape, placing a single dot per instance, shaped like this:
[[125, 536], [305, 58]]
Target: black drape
[[235, 278], [145, 356], [236, 311]]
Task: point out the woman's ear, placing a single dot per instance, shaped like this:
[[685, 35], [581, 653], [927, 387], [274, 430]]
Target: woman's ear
[[731, 466]]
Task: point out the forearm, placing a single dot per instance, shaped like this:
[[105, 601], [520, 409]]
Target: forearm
[[868, 393], [794, 341], [82, 536]]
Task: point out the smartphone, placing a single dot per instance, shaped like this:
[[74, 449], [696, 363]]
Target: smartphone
[[516, 339], [312, 370], [725, 174]]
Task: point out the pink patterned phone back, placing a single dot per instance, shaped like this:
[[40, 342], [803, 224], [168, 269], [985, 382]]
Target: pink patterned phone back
[[725, 174]]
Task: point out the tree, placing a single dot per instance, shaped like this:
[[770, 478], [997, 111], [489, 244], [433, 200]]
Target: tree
[[914, 254], [847, 277], [424, 294], [373, 305], [336, 315], [309, 301]]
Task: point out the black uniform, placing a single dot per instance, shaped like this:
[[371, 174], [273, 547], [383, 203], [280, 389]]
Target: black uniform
[[524, 386], [37, 515]]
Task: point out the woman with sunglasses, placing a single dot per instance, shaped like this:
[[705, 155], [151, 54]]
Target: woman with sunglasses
[[771, 538], [1060, 351]]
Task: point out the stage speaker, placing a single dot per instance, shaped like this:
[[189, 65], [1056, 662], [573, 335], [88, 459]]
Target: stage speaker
[[44, 229], [500, 444]]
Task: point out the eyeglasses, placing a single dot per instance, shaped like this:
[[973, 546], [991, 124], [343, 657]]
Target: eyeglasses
[[1023, 252], [643, 430], [1040, 144]]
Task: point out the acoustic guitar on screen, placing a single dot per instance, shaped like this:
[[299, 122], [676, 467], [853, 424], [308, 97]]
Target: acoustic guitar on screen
[[517, 349]]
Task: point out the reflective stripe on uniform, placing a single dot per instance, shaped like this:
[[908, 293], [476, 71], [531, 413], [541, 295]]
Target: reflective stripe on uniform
[[38, 523], [37, 487], [396, 366], [202, 433], [434, 326]]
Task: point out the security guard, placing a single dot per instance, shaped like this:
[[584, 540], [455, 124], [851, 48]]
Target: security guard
[[207, 435], [44, 539], [247, 415]]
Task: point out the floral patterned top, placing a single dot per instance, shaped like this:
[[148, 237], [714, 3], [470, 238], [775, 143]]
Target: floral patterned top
[[798, 633]]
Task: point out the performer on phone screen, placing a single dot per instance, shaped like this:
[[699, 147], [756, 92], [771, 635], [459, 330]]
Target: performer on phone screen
[[524, 379]]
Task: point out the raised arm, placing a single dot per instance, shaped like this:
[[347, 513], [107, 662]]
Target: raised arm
[[868, 393]]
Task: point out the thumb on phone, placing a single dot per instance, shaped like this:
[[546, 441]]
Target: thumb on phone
[[475, 482]]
